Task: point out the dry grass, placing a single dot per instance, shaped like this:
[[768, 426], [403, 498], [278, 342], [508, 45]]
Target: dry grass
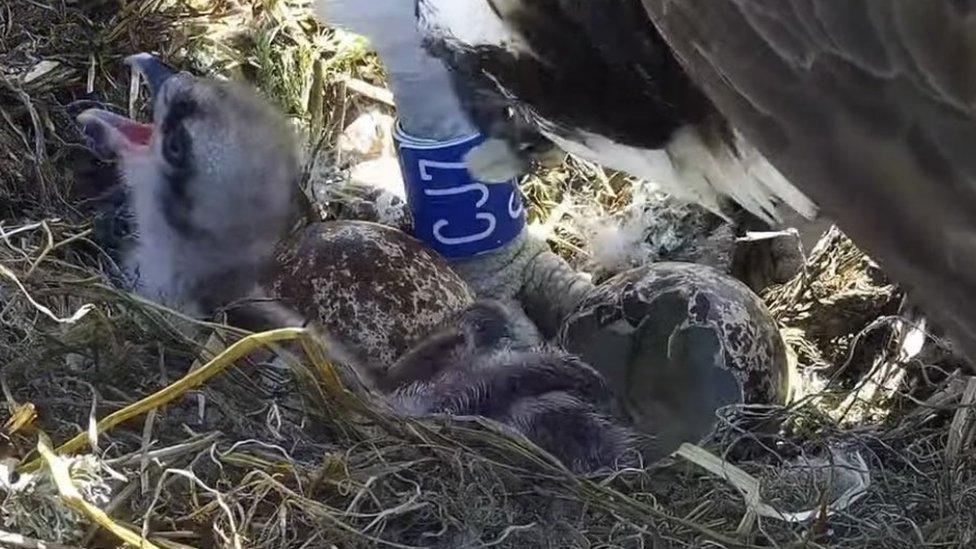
[[272, 454]]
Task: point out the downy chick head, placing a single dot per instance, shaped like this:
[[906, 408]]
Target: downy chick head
[[212, 185]]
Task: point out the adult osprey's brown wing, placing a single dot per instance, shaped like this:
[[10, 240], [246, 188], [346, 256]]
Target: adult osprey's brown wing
[[869, 107]]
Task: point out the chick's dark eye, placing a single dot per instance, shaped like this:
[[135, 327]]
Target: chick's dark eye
[[176, 147]]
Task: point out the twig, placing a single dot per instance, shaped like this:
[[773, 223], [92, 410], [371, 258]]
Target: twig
[[147, 430], [52, 246], [961, 429], [196, 378], [748, 485], [509, 531], [9, 539], [168, 453], [5, 235], [81, 312], [73, 498], [235, 539], [376, 93]]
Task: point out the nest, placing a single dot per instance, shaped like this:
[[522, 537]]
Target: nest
[[121, 425]]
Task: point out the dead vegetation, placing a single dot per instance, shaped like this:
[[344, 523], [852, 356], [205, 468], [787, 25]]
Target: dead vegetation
[[272, 452]]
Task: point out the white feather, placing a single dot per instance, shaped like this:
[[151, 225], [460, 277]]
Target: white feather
[[691, 170], [471, 23]]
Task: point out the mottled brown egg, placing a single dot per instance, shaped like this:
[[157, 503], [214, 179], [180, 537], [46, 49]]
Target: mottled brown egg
[[374, 287], [676, 342]]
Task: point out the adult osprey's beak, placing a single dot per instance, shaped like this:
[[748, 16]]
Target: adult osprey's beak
[[111, 135]]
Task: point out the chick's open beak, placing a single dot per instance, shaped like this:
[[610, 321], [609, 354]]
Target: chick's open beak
[[111, 135]]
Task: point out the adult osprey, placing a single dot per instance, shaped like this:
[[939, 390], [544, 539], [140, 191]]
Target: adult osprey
[[598, 80], [868, 108]]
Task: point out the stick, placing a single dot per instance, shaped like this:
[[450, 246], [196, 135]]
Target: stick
[[376, 93]]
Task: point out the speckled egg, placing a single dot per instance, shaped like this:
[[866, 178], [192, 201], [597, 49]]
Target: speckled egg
[[676, 342], [374, 287]]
